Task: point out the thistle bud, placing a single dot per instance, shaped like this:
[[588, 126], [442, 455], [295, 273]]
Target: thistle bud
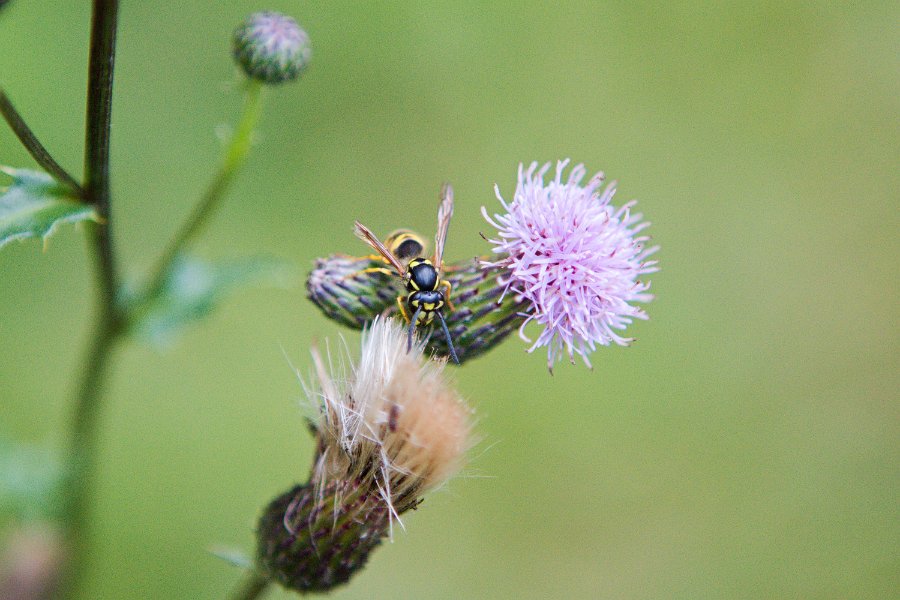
[[386, 435], [271, 47], [31, 563], [348, 290], [309, 543]]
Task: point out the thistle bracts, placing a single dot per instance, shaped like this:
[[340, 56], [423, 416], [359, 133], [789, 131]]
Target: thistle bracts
[[346, 290], [388, 431], [349, 290], [313, 541], [271, 47]]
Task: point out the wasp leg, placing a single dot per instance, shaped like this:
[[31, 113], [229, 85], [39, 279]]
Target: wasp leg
[[446, 284], [401, 302], [383, 270]]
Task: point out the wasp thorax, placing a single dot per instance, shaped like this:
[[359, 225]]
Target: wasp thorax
[[422, 275]]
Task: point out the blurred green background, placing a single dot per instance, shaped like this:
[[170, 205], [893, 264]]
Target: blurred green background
[[744, 447]]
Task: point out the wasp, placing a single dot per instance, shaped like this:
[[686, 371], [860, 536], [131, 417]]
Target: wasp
[[405, 245], [427, 294]]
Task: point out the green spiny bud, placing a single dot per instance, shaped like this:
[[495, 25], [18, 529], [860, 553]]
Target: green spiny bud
[[354, 290], [313, 542], [349, 290], [271, 47]]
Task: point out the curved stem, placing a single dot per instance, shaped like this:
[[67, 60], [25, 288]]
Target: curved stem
[[253, 586], [235, 154], [35, 148]]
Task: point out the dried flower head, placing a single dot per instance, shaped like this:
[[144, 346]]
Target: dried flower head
[[574, 257], [271, 47], [388, 433], [396, 426]]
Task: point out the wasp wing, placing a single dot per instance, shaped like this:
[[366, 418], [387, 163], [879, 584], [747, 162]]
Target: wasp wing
[[445, 212], [363, 233]]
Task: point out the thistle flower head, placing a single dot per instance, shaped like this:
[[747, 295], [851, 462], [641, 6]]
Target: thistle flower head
[[271, 47], [574, 257], [388, 431], [395, 426]]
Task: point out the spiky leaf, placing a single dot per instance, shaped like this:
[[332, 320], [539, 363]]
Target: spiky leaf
[[233, 556], [192, 289], [35, 205], [30, 481]]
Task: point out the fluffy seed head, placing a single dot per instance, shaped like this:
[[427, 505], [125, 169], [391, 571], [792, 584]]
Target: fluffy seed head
[[394, 425], [271, 47], [574, 256]]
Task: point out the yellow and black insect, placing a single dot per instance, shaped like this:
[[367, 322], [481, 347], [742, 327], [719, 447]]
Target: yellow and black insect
[[405, 245], [427, 293]]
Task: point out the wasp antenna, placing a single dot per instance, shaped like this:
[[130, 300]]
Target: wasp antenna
[[449, 339], [412, 328]]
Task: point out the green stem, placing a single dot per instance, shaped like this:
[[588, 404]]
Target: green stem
[[35, 148], [83, 451], [97, 134], [235, 154], [83, 443], [253, 586]]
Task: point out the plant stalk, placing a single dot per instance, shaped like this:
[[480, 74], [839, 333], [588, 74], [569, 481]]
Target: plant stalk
[[252, 587], [34, 147], [83, 442], [235, 154], [97, 134]]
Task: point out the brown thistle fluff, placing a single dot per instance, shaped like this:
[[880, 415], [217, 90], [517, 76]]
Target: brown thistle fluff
[[386, 435], [346, 290]]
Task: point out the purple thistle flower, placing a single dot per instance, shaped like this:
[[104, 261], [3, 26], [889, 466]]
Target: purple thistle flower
[[574, 257]]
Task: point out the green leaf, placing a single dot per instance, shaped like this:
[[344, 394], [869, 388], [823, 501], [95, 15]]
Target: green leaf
[[35, 205], [192, 290], [31, 480], [233, 556]]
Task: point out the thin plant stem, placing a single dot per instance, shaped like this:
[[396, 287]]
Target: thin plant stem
[[35, 148], [83, 442], [97, 134], [235, 153], [252, 587], [82, 457]]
